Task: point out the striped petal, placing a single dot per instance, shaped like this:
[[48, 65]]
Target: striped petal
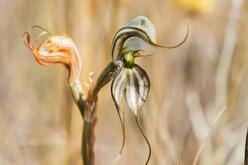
[[118, 86], [117, 91], [137, 88]]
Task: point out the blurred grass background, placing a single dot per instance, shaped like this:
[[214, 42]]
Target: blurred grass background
[[204, 80]]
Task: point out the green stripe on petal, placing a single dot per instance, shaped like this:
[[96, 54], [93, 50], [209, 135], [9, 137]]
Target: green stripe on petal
[[118, 86], [137, 88], [118, 90]]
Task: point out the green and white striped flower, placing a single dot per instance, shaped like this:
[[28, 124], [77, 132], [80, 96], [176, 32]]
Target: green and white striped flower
[[136, 39]]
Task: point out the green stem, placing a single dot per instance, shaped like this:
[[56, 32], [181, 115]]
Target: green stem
[[77, 92], [88, 137], [85, 142], [87, 107]]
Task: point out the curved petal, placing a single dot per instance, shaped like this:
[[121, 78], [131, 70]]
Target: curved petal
[[140, 27], [119, 85], [137, 89], [57, 49], [142, 31], [117, 90]]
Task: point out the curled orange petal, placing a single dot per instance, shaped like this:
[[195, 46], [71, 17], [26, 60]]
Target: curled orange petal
[[54, 50]]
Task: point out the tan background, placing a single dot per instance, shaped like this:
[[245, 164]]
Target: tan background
[[190, 85]]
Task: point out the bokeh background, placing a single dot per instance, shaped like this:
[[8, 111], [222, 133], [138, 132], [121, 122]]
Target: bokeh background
[[197, 106]]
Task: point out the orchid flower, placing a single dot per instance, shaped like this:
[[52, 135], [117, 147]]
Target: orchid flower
[[57, 49], [136, 39]]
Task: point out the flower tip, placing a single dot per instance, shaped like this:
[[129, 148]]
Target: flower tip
[[26, 40]]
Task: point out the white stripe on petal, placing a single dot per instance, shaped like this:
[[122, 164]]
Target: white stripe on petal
[[136, 93], [118, 86]]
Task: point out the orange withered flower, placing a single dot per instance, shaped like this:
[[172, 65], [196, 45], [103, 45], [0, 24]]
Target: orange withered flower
[[56, 49]]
